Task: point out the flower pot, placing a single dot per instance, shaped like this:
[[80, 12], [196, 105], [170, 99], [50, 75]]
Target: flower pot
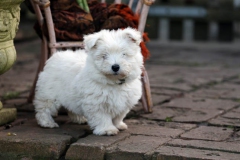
[[9, 21]]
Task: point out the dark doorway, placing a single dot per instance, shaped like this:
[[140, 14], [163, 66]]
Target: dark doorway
[[201, 31], [176, 30], [225, 31]]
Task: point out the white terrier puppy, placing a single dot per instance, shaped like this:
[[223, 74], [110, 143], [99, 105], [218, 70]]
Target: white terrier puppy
[[99, 84]]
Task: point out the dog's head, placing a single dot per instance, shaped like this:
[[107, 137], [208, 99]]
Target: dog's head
[[116, 53]]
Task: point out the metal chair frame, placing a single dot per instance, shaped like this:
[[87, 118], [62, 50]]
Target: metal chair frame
[[50, 45]]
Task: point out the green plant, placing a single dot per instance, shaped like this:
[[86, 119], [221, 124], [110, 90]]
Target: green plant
[[168, 119], [10, 95]]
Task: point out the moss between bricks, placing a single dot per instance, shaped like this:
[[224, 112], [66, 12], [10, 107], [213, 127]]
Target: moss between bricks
[[10, 95]]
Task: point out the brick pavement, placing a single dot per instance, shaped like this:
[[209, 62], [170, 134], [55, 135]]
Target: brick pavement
[[196, 113]]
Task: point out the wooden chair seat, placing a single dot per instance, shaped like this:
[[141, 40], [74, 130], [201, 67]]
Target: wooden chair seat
[[50, 45]]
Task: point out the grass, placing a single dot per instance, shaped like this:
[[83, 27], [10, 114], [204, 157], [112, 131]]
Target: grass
[[168, 119], [237, 100], [10, 95]]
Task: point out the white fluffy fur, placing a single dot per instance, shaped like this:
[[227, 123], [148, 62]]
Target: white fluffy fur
[[84, 83]]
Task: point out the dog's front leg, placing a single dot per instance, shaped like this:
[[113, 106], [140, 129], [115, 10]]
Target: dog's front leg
[[101, 123], [118, 121]]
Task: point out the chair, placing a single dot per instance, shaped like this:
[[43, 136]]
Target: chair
[[50, 44]]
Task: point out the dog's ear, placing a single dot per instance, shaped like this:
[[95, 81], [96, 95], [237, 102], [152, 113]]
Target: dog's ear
[[90, 41], [133, 35]]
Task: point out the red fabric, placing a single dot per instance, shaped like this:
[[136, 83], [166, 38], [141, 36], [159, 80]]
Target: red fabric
[[121, 16], [144, 49], [99, 12]]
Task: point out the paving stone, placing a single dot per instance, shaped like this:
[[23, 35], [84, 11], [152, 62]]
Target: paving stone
[[157, 99], [204, 75], [231, 118], [181, 87], [197, 116], [208, 133], [234, 90], [166, 77], [210, 93], [178, 114], [207, 145], [29, 116], [74, 130], [175, 125], [179, 153], [20, 103], [186, 77], [16, 101], [154, 130], [134, 148], [92, 146], [235, 94], [235, 137], [201, 75], [189, 109], [201, 103], [235, 113], [156, 70], [161, 113], [236, 80], [165, 91], [224, 91], [33, 145], [140, 121], [221, 121], [34, 142], [227, 86]]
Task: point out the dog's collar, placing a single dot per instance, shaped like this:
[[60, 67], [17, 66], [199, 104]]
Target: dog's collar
[[121, 81]]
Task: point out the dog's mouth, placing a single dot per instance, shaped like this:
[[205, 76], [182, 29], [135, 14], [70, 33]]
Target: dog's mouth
[[121, 81], [117, 77]]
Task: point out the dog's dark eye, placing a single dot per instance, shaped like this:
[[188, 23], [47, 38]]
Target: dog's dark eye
[[104, 56], [124, 54]]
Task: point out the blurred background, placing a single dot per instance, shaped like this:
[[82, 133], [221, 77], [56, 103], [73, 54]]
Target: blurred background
[[179, 20], [195, 20]]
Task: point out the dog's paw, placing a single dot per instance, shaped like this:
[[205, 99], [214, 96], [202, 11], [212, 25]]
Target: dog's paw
[[82, 120], [109, 131], [48, 124], [112, 132], [45, 120], [78, 119], [122, 126]]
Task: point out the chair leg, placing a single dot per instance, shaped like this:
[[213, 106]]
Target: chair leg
[[146, 96], [143, 98], [43, 59]]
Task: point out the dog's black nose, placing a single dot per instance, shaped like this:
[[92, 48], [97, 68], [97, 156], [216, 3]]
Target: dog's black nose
[[115, 67]]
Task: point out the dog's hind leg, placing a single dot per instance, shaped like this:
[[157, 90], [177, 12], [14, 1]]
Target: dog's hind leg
[[44, 111], [118, 121], [75, 118]]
